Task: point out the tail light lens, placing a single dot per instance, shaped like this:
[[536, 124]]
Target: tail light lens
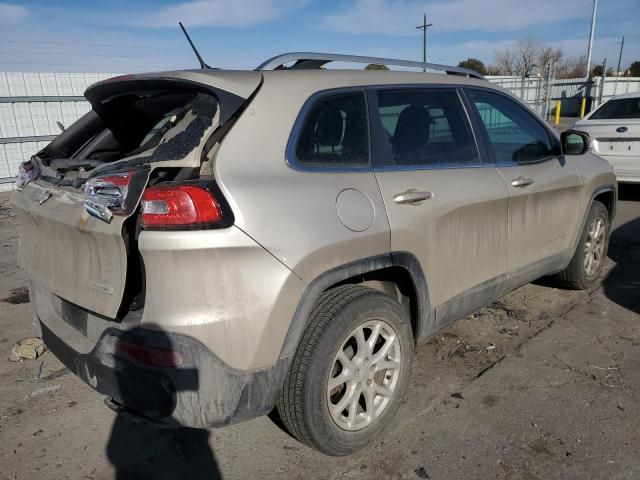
[[148, 355], [106, 195], [179, 206]]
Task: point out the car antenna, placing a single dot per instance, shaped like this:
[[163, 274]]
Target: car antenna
[[203, 65]]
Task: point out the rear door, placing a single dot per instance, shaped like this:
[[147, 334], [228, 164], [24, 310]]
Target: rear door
[[444, 205], [544, 186], [69, 252]]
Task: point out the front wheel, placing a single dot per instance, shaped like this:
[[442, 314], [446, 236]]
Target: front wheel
[[590, 255], [350, 370]]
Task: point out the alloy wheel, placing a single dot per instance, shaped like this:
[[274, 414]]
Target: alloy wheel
[[594, 246], [364, 375]]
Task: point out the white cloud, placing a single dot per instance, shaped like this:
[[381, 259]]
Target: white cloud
[[11, 14], [221, 13], [401, 16]]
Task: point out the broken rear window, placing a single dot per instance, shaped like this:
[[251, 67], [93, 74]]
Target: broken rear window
[[129, 124]]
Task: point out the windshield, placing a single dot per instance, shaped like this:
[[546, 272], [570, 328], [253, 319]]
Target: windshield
[[618, 109]]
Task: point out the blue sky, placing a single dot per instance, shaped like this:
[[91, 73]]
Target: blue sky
[[132, 36]]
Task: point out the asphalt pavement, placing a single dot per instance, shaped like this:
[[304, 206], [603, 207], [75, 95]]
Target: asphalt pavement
[[543, 384]]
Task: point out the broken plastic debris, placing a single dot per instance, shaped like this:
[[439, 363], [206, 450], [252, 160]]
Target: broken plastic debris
[[28, 348], [44, 390], [27, 172], [421, 473]]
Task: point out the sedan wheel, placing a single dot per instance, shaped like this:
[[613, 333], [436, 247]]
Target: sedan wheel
[[594, 246]]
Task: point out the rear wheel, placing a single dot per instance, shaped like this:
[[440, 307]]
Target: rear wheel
[[350, 370], [589, 257]]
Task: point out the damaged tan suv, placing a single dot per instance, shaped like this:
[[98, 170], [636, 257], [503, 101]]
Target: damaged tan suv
[[204, 246]]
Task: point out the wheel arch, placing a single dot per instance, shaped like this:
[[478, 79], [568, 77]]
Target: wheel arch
[[606, 196], [398, 274]]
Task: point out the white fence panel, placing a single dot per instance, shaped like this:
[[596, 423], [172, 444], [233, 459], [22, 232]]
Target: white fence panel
[[24, 121]]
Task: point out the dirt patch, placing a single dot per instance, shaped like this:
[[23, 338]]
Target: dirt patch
[[18, 296]]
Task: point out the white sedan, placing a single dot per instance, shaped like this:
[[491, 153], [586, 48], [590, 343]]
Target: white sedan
[[614, 128]]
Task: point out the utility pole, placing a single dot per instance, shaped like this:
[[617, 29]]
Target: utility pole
[[604, 79], [615, 85], [424, 27], [620, 57], [593, 28]]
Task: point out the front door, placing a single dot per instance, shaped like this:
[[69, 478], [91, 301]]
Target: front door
[[544, 186], [444, 206]]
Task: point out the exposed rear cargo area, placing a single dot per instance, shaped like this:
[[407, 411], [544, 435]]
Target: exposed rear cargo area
[[78, 208]]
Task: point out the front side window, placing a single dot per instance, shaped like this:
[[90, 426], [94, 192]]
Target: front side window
[[622, 108], [514, 134], [335, 132], [426, 127]]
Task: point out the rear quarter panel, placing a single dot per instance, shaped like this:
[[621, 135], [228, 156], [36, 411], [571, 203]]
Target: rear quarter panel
[[292, 213]]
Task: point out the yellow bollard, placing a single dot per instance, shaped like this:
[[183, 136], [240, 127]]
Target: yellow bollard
[[583, 105], [557, 112]]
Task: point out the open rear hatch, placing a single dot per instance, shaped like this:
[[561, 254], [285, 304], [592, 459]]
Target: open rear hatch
[[78, 201]]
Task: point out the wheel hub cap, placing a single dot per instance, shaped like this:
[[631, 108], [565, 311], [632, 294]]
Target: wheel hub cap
[[364, 375]]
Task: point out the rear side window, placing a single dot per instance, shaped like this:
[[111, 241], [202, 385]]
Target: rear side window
[[426, 127], [335, 132], [622, 108], [514, 134]]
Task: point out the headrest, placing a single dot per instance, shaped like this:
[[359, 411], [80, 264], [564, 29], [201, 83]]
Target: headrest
[[329, 128]]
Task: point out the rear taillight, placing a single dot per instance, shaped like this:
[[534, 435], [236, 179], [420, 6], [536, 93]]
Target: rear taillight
[[148, 355], [179, 206]]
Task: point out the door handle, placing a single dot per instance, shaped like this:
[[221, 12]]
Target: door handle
[[522, 182], [412, 196]]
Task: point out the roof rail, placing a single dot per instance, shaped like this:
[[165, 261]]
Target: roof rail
[[312, 60]]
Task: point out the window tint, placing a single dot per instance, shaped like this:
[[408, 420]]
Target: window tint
[[515, 134], [335, 132], [621, 108], [426, 127]]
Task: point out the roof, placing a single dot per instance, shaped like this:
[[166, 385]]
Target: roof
[[626, 95]]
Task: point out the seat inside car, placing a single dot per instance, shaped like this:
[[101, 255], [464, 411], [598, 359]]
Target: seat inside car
[[411, 135]]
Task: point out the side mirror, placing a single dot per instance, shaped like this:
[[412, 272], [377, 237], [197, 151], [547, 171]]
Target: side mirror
[[574, 142]]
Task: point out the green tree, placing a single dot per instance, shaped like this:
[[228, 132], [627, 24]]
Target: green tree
[[474, 64], [634, 69], [375, 66]]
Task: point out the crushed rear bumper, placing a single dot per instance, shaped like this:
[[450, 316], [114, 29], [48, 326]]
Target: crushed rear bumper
[[202, 392]]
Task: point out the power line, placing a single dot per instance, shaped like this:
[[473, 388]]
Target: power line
[[78, 44], [96, 65], [74, 54]]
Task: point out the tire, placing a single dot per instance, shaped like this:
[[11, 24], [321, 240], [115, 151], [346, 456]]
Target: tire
[[305, 401], [580, 275]]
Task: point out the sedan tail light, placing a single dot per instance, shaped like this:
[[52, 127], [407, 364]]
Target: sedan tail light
[[180, 206]]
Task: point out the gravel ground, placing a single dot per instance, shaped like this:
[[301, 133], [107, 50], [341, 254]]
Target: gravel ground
[[543, 384]]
